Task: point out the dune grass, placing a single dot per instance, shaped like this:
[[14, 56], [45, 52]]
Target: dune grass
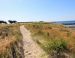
[[53, 36], [10, 41]]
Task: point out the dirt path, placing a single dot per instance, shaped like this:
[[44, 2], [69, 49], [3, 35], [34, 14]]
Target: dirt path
[[31, 48]]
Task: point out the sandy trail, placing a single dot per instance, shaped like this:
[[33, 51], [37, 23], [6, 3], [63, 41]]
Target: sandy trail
[[31, 48]]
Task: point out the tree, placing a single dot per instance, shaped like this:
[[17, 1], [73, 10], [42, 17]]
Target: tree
[[10, 21], [3, 22]]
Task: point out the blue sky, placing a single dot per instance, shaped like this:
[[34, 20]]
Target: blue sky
[[37, 10]]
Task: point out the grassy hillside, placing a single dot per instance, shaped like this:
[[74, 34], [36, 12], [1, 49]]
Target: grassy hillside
[[10, 41], [53, 38]]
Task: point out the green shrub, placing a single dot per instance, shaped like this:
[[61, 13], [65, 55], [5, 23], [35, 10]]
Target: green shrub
[[56, 46]]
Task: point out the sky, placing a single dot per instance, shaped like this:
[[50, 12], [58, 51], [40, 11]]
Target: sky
[[37, 10]]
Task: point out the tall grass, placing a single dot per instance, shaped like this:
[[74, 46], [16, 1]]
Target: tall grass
[[11, 45], [52, 36]]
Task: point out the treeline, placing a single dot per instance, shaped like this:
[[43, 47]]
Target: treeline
[[10, 21]]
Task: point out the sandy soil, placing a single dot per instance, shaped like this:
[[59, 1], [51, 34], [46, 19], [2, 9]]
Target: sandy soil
[[31, 48]]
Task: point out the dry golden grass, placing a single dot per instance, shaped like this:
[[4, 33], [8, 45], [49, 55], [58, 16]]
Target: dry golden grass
[[13, 36], [43, 33], [5, 43]]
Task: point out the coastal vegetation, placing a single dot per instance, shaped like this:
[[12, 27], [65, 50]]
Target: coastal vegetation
[[55, 39]]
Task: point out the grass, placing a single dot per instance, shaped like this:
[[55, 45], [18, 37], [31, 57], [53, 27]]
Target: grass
[[10, 41], [46, 34]]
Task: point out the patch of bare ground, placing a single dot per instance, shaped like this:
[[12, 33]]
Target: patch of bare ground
[[31, 48]]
